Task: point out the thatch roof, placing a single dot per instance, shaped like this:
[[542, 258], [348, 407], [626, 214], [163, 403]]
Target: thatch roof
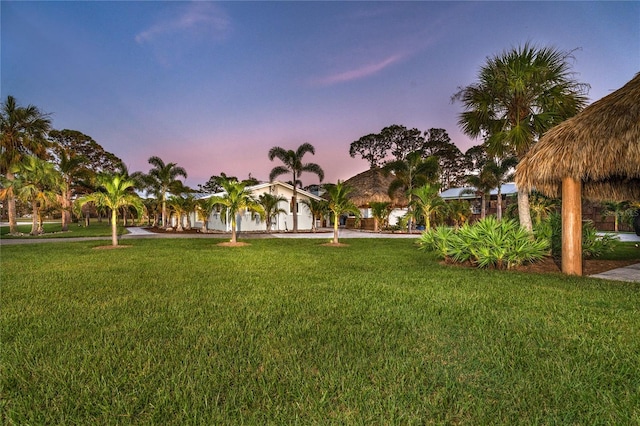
[[373, 186], [600, 146]]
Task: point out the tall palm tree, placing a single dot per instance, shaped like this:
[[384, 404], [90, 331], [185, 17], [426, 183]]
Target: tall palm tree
[[23, 132], [339, 203], [519, 95], [410, 173], [115, 194], [235, 200], [270, 204], [317, 208], [427, 203], [292, 163], [163, 179]]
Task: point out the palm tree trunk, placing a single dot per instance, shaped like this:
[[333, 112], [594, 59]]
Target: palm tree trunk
[[523, 210], [335, 229], [294, 201], [34, 218], [483, 207], [66, 210], [11, 209], [233, 230], [179, 227], [114, 227], [499, 205]]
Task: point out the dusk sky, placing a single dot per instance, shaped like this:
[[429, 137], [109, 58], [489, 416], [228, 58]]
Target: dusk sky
[[213, 86]]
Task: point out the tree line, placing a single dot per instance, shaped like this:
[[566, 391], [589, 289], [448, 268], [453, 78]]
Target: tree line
[[519, 94]]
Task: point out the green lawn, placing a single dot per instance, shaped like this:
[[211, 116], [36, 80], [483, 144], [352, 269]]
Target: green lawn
[[54, 230], [184, 332]]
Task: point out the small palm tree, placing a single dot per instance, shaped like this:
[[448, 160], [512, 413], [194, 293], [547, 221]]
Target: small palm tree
[[162, 179], [177, 204], [317, 208], [339, 203], [410, 173], [38, 182], [292, 163], [72, 168], [501, 171], [235, 200], [458, 211], [427, 203], [617, 209], [271, 205], [115, 194], [204, 208], [380, 211]]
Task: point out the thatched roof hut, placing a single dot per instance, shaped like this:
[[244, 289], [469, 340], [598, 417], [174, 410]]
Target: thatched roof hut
[[373, 186], [599, 147], [595, 154]]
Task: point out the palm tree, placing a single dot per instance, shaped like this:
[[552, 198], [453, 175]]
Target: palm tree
[[520, 94], [617, 209], [176, 204], [270, 205], [23, 132], [293, 164], [427, 203], [380, 211], [410, 173], [72, 168], [163, 179], [235, 200], [115, 195], [36, 182], [317, 208], [458, 211], [482, 184], [501, 172], [204, 208], [339, 203]]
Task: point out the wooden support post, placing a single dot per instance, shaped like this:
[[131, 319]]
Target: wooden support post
[[571, 226]]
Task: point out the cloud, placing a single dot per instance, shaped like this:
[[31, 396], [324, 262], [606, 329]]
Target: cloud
[[360, 72], [196, 18]]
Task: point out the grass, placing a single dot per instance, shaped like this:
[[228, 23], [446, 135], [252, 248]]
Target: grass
[[54, 230], [184, 332]]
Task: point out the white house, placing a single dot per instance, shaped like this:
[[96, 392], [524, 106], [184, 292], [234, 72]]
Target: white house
[[248, 221]]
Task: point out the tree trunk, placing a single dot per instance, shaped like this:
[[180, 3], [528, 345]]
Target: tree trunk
[[335, 229], [233, 230], [483, 207], [294, 200], [571, 226], [499, 205], [114, 227], [11, 209], [179, 227], [523, 210], [34, 218]]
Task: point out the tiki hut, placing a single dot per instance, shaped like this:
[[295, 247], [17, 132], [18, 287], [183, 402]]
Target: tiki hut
[[373, 186], [595, 154]]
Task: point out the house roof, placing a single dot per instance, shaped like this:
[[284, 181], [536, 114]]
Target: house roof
[[599, 146], [373, 186], [262, 186]]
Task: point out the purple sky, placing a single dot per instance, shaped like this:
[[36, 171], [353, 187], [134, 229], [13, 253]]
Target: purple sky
[[213, 86]]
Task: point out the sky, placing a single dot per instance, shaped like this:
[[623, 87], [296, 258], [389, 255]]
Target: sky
[[212, 86]]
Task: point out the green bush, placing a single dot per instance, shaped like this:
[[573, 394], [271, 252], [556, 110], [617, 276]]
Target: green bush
[[593, 245], [487, 243]]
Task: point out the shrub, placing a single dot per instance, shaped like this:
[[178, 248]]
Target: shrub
[[487, 243], [593, 245]]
